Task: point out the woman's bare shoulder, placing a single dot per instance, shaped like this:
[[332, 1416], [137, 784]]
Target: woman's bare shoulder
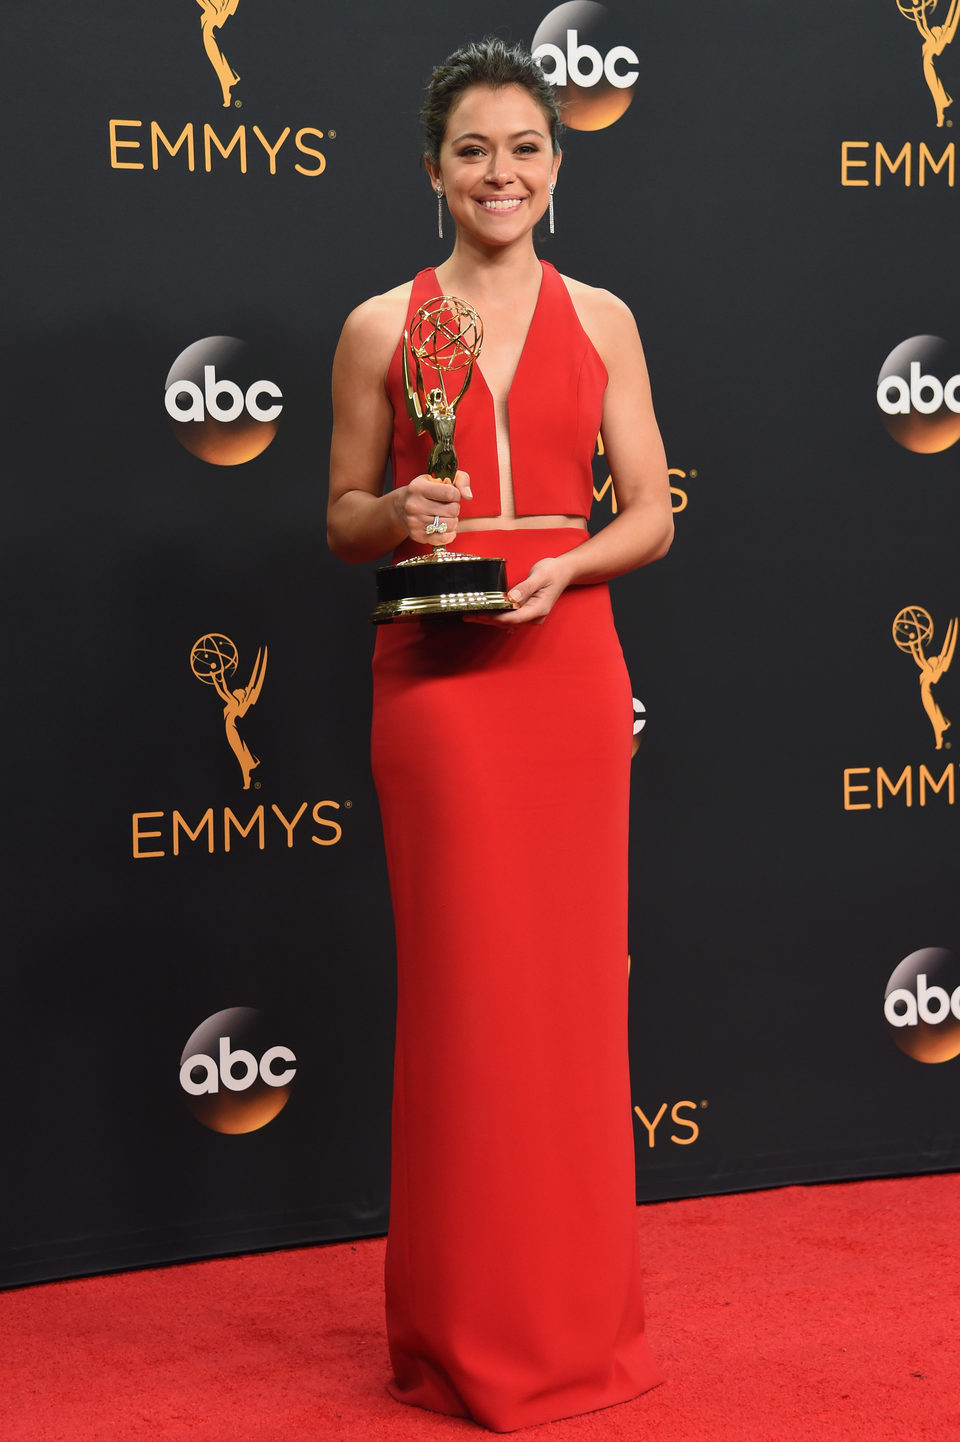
[[380, 318], [371, 334], [607, 320]]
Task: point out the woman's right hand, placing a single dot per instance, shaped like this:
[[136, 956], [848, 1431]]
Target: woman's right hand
[[419, 503]]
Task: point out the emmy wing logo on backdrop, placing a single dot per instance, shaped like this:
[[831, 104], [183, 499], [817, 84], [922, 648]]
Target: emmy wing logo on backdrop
[[219, 408], [922, 1005], [215, 13], [873, 164], [868, 788], [233, 1075], [594, 75], [912, 630], [918, 392], [137, 144], [934, 41], [214, 659]]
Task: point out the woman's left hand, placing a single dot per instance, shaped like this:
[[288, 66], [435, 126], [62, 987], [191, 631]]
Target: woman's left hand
[[535, 597]]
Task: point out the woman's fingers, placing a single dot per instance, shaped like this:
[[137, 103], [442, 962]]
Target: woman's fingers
[[431, 510], [534, 597]]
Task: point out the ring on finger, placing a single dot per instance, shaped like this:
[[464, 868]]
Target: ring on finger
[[436, 527]]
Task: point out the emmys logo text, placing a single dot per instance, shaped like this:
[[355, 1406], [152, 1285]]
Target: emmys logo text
[[214, 660], [918, 393], [234, 1079], [922, 1005], [220, 409], [867, 788], [871, 164], [145, 145], [594, 76], [157, 834], [679, 1126]]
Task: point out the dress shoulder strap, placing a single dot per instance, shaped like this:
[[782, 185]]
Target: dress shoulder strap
[[425, 287]]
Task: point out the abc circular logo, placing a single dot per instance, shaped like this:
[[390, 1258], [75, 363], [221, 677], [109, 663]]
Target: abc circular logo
[[593, 75], [922, 1005], [220, 406], [918, 392], [235, 1077]]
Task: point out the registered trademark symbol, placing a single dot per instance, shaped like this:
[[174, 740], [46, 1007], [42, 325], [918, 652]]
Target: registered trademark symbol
[[704, 1104], [237, 104], [256, 786], [693, 475], [347, 805], [332, 134]]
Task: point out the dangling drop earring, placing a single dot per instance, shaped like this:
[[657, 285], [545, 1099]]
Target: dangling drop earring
[[551, 207], [440, 211]]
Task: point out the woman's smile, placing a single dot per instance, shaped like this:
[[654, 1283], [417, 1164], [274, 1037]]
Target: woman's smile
[[501, 203]]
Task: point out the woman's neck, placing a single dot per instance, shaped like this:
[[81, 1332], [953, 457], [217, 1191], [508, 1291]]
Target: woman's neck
[[473, 271]]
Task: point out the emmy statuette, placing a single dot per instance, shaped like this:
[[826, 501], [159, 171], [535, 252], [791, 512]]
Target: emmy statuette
[[445, 336]]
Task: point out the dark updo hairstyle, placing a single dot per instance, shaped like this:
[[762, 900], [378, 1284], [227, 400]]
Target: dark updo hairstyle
[[484, 62]]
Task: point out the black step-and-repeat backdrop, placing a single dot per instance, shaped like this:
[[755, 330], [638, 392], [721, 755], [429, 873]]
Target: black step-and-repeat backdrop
[[198, 971]]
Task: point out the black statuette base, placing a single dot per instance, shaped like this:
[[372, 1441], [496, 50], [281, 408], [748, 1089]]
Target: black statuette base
[[443, 584]]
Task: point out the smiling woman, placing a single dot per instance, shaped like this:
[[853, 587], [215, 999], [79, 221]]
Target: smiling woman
[[513, 1290]]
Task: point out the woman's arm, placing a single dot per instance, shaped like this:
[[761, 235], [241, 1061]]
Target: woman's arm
[[363, 522], [642, 530]]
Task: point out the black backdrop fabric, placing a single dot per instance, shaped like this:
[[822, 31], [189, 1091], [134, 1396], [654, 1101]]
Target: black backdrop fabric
[[199, 983]]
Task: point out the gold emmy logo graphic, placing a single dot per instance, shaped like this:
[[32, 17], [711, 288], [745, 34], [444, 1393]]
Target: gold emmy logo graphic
[[912, 629], [214, 659], [215, 14], [935, 38]]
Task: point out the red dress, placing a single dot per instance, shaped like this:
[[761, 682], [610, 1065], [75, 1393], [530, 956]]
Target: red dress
[[502, 761]]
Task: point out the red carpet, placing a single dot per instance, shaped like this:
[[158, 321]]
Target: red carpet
[[808, 1312]]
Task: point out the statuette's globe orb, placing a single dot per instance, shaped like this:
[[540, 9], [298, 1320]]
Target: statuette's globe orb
[[446, 333], [911, 627], [211, 656]]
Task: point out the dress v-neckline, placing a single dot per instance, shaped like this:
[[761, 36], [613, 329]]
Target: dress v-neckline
[[478, 369]]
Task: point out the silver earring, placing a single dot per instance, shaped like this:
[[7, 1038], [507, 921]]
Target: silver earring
[[440, 211], [551, 207]]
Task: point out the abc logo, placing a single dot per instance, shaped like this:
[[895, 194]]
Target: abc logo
[[219, 407], [918, 392], [234, 1078], [922, 1005], [593, 78]]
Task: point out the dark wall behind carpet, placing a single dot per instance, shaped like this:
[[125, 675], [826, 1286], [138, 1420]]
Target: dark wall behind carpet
[[777, 204]]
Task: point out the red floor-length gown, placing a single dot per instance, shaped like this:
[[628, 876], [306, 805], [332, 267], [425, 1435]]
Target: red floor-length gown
[[501, 759]]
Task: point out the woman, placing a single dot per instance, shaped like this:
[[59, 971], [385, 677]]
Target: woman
[[501, 754]]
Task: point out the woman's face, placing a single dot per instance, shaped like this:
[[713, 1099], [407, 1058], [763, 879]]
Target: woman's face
[[496, 163]]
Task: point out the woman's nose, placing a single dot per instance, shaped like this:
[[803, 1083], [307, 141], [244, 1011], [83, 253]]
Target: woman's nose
[[498, 170]]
